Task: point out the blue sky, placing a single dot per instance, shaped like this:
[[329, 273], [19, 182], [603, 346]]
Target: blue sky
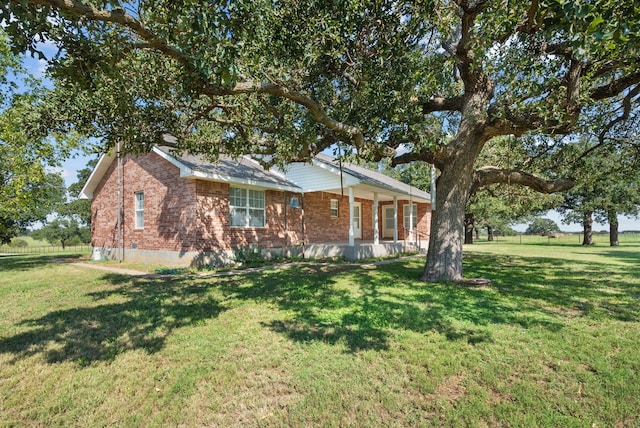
[[79, 161]]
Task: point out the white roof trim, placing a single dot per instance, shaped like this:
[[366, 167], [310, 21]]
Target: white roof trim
[[185, 171], [96, 175], [201, 175], [352, 181]]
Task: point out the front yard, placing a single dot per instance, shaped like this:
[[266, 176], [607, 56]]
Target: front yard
[[552, 342]]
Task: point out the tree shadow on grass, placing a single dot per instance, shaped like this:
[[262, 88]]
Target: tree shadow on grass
[[136, 314], [630, 258], [558, 287], [384, 301], [355, 308], [526, 292], [13, 263]]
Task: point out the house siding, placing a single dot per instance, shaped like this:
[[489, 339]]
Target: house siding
[[314, 178]]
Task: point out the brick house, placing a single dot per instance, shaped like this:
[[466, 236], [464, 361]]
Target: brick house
[[183, 210]]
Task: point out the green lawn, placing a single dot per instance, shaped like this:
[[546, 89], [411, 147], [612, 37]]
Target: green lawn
[[554, 341]]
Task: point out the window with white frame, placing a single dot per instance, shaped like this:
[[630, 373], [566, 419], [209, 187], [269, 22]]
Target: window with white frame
[[407, 216], [334, 208], [247, 207], [139, 209]]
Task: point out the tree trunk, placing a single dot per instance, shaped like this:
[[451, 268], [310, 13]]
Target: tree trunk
[[453, 187], [444, 258], [613, 228], [587, 226], [489, 233], [468, 228]]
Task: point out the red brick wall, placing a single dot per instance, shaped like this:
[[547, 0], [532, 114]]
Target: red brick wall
[[182, 214], [169, 206], [216, 230]]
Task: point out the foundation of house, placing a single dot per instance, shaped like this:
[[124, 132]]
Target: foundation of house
[[359, 251]]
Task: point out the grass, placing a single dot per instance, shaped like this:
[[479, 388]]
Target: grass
[[552, 342]]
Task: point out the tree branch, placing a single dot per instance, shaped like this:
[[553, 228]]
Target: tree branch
[[573, 90], [506, 121], [428, 157], [626, 111], [311, 105], [530, 25], [615, 87], [442, 104], [120, 17], [494, 175]]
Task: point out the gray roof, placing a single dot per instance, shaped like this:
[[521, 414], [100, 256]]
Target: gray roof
[[246, 171], [242, 168], [373, 177]]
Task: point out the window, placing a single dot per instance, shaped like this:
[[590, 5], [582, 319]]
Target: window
[[389, 219], [139, 208], [334, 208], [247, 207], [407, 214]]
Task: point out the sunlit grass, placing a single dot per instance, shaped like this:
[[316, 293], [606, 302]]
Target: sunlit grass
[[552, 342]]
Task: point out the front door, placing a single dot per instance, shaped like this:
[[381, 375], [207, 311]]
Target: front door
[[388, 221], [357, 220]]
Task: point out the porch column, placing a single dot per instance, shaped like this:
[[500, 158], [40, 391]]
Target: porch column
[[352, 240], [411, 238], [395, 219], [376, 231]]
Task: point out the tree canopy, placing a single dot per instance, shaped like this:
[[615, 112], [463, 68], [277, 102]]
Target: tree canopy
[[542, 226], [288, 79], [608, 185], [29, 152]]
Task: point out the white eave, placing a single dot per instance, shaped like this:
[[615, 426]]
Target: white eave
[[96, 175], [320, 175]]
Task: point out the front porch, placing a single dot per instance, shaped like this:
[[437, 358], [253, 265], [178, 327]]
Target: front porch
[[361, 249]]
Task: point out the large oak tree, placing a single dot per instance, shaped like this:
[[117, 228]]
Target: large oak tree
[[288, 79]]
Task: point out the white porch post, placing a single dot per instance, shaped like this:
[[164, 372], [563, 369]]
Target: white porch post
[[376, 232], [395, 219], [352, 240], [411, 238]]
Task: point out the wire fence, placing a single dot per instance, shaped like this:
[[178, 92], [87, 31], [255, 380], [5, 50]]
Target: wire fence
[[559, 238], [521, 238], [46, 249]]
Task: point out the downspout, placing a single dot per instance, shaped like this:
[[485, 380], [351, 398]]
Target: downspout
[[302, 221], [119, 166], [284, 202], [411, 232]]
